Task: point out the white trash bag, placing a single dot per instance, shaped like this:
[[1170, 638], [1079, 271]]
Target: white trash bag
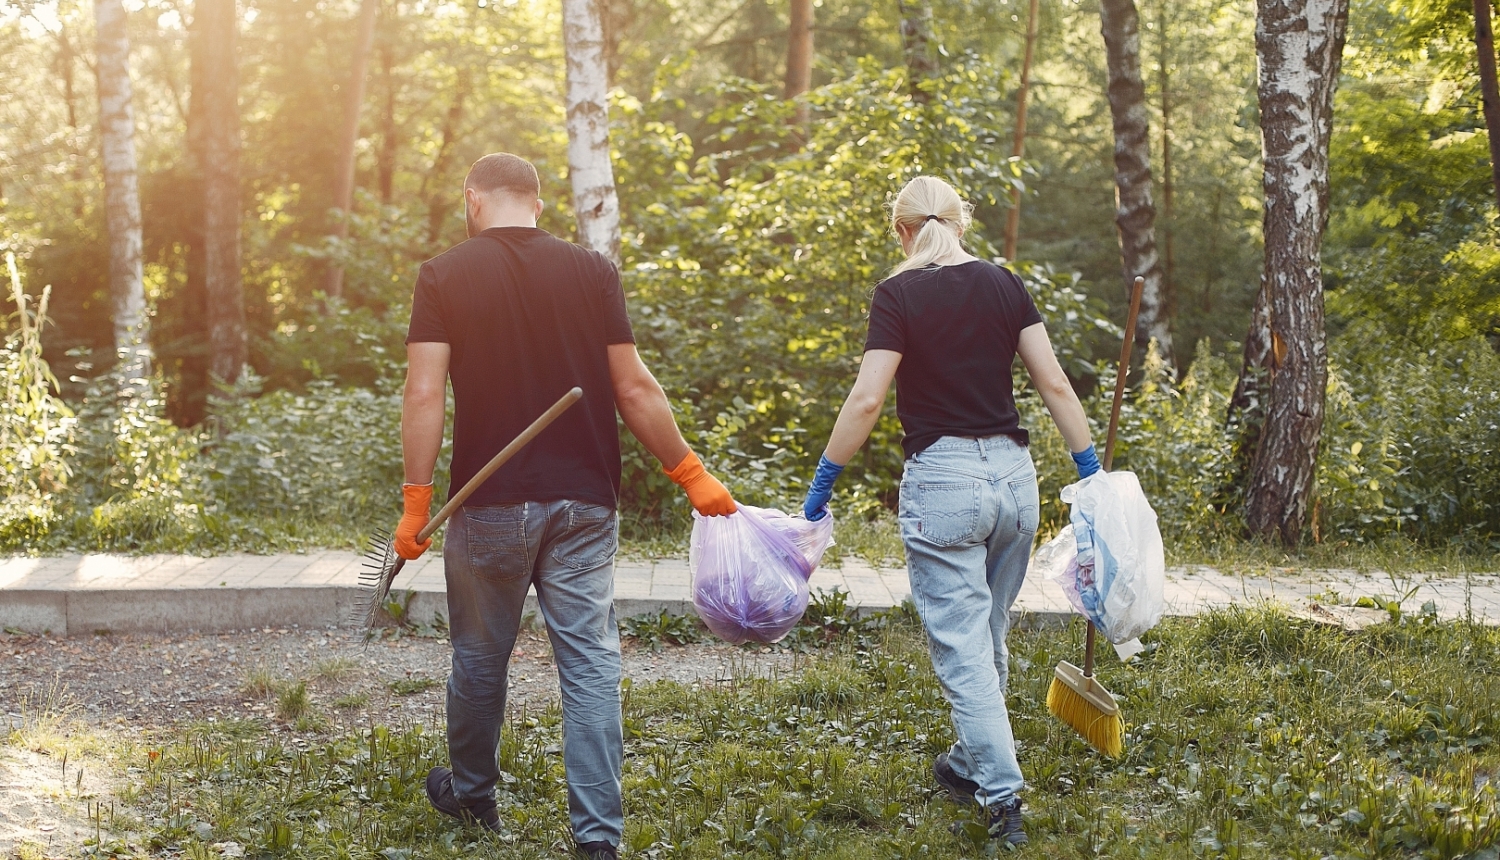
[[1109, 560]]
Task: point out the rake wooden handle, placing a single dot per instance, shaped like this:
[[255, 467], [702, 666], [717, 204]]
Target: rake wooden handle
[[1121, 373], [498, 460]]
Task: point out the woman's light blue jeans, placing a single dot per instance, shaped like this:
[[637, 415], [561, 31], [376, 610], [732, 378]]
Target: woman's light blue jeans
[[968, 515]]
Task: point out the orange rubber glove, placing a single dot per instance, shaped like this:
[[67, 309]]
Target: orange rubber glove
[[417, 503], [709, 497]]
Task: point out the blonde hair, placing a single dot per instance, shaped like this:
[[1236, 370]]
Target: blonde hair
[[935, 217]]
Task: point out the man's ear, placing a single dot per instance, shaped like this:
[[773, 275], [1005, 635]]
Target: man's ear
[[537, 214], [471, 197]]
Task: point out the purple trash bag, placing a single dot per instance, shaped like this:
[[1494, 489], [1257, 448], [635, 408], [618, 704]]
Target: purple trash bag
[[750, 571]]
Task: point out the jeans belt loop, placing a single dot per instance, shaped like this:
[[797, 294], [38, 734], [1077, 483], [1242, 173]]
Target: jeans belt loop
[[983, 454]]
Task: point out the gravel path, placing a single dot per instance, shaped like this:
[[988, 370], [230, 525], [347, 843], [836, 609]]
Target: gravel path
[[138, 687]]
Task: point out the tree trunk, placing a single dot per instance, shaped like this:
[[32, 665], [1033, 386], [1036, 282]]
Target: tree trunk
[[1135, 215], [1484, 40], [916, 42], [593, 178], [440, 202], [122, 201], [1169, 273], [1018, 149], [385, 164], [799, 55], [189, 401], [1299, 44], [343, 170], [224, 294]]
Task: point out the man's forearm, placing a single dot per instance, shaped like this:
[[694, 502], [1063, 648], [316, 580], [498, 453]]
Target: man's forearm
[[649, 417], [422, 418]]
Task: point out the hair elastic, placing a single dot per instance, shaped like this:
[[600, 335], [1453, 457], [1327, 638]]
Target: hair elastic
[[933, 218]]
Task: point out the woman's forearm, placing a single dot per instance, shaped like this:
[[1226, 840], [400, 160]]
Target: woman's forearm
[[862, 407]]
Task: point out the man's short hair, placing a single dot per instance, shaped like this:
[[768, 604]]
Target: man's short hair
[[501, 171]]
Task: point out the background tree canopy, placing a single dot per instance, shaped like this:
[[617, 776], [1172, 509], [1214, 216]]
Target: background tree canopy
[[751, 243]]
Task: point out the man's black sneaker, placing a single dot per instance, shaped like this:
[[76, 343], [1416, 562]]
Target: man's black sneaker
[[598, 851], [440, 794], [963, 790], [1005, 822]]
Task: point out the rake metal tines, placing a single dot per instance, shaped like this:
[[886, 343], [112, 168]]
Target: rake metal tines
[[379, 570]]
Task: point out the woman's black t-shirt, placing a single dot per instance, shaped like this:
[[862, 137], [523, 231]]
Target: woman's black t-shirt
[[957, 328]]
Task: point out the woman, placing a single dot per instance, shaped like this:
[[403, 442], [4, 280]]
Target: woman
[[946, 326]]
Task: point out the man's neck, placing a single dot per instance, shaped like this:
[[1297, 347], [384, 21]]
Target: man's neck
[[508, 221]]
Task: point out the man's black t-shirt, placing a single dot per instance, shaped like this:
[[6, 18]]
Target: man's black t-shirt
[[957, 328], [528, 317]]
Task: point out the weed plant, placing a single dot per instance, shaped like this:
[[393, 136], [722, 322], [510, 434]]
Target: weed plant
[[1249, 734]]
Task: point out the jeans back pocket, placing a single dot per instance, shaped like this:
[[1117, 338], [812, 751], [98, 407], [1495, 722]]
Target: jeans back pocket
[[590, 538], [1028, 502], [949, 512], [497, 542]]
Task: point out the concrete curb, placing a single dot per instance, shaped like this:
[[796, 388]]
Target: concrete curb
[[217, 610]]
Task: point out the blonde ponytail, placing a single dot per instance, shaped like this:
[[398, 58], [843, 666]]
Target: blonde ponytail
[[935, 216]]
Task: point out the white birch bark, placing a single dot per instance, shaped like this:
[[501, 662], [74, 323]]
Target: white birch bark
[[122, 200], [593, 178], [1299, 45], [1135, 213]]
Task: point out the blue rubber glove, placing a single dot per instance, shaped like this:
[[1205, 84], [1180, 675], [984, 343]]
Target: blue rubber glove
[[816, 506], [1087, 462]]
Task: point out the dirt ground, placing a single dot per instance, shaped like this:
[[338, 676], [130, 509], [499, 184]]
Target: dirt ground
[[142, 686]]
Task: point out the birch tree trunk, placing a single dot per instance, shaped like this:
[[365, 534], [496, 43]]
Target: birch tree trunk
[[593, 178], [343, 170], [1018, 148], [1484, 40], [122, 201], [799, 55], [1299, 44], [1135, 215], [220, 165], [916, 42]]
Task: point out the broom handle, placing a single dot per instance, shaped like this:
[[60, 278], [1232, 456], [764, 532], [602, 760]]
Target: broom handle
[[1114, 424], [498, 460], [1123, 372]]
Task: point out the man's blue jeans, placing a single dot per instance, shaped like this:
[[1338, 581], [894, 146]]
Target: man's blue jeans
[[968, 515], [567, 550]]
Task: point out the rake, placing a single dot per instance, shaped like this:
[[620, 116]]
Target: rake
[[382, 565], [1076, 696]]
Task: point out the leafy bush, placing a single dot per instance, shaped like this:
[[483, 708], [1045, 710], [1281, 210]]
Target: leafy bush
[[36, 426]]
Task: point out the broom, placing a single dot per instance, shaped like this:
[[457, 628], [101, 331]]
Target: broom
[[1076, 697], [382, 564]]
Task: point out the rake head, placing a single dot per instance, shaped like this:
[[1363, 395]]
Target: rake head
[[379, 570]]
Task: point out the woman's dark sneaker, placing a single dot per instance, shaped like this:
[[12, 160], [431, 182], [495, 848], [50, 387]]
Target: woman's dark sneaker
[[440, 794], [1005, 822], [963, 790], [598, 851]]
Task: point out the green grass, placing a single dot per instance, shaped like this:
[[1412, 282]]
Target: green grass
[[412, 686], [1249, 734]]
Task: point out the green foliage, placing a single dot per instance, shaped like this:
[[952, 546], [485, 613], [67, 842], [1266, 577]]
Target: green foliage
[[1249, 734], [653, 629], [36, 426], [749, 267]]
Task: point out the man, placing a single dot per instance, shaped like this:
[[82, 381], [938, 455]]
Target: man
[[516, 317]]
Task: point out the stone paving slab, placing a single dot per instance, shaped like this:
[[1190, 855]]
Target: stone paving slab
[[81, 594]]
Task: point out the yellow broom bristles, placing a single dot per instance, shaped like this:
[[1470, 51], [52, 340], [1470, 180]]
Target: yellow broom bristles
[[1084, 704]]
